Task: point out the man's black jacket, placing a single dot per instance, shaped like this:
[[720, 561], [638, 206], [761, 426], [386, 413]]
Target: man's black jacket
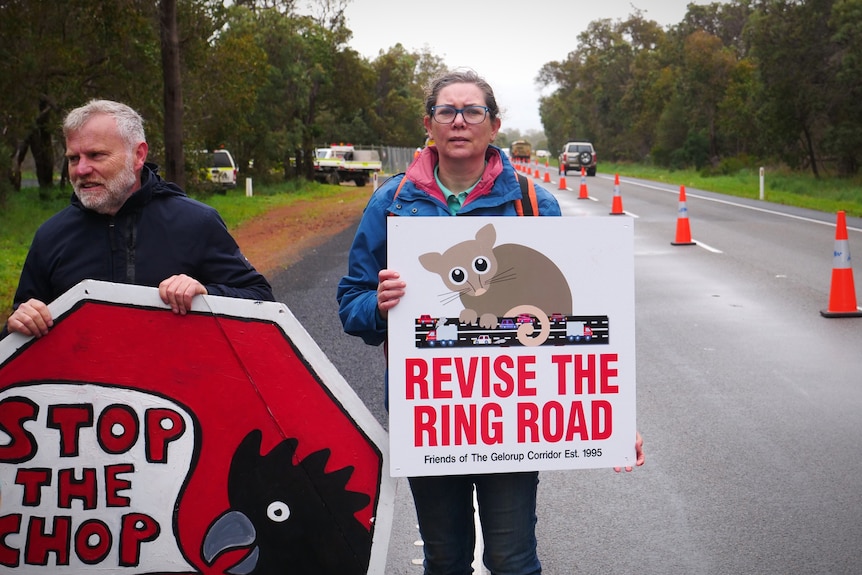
[[159, 232]]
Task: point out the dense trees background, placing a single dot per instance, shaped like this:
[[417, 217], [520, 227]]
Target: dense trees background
[[734, 83]]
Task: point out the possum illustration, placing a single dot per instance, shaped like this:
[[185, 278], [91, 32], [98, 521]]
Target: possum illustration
[[289, 518], [508, 280]]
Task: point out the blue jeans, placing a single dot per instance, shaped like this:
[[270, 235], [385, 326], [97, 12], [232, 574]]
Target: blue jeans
[[507, 513]]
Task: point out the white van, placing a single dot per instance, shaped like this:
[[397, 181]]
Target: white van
[[222, 169]]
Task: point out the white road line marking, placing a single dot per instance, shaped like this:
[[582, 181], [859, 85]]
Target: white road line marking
[[689, 194]]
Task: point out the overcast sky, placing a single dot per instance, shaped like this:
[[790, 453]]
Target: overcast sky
[[507, 43]]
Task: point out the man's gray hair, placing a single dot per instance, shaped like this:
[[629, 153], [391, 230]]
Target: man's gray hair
[[129, 122]]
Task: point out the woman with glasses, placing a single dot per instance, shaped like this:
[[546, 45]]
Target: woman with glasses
[[461, 174]]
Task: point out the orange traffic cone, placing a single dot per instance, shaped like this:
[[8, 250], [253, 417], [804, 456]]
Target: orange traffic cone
[[582, 193], [842, 294], [617, 206], [562, 185], [536, 173], [547, 179], [683, 228]]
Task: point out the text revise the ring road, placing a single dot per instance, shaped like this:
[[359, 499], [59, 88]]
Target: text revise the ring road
[[468, 393]]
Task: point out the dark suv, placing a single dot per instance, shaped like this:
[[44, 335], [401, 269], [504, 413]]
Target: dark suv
[[576, 155]]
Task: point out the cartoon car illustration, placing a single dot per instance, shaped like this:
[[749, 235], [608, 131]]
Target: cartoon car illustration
[[557, 317], [483, 339], [507, 323], [525, 318], [426, 320]]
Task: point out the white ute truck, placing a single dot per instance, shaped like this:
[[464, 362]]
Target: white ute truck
[[337, 164]]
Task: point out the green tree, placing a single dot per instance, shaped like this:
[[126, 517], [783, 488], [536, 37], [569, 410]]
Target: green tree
[[791, 47], [56, 59], [606, 58], [598, 87], [724, 20], [737, 118], [703, 81], [224, 87], [844, 136], [649, 88], [561, 111], [398, 108], [671, 133]]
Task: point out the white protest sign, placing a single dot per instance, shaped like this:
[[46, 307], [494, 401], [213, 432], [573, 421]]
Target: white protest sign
[[533, 370]]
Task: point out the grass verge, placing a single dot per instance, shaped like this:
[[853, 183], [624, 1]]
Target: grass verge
[[828, 195]]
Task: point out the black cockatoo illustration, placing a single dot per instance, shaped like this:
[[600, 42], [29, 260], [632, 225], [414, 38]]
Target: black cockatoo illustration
[[294, 519]]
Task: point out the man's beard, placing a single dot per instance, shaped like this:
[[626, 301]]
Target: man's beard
[[113, 196]]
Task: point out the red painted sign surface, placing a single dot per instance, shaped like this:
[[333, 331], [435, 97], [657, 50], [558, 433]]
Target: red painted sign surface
[[133, 440]]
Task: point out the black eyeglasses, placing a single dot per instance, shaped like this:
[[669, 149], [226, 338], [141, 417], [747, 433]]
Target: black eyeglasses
[[471, 114]]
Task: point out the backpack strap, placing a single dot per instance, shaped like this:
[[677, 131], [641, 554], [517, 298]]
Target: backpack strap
[[528, 205], [400, 185], [398, 189]]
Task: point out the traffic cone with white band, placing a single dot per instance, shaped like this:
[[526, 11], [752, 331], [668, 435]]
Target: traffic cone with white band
[[617, 205], [842, 294], [582, 193], [683, 227], [562, 184]]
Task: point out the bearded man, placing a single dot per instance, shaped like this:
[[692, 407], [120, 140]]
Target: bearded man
[[125, 224]]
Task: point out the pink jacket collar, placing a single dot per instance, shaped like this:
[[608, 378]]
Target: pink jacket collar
[[421, 173]]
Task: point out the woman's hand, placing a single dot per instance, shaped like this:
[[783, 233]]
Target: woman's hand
[[390, 290], [639, 453]]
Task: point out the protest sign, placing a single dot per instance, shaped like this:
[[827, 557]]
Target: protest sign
[[134, 440], [514, 346]]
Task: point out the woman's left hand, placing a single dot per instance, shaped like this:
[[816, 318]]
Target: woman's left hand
[[639, 453], [390, 290]]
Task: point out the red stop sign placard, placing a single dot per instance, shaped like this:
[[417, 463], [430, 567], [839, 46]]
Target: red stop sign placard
[[133, 440]]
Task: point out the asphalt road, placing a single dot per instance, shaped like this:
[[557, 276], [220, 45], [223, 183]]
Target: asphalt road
[[749, 401]]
